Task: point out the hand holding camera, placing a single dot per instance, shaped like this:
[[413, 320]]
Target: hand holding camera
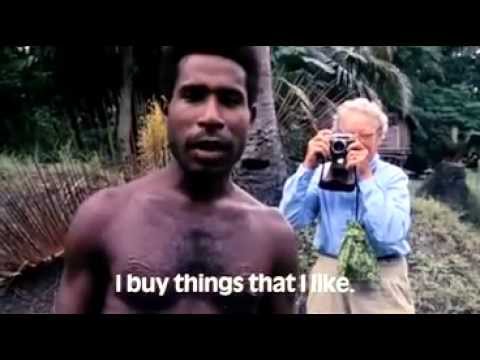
[[318, 149], [345, 153], [357, 158]]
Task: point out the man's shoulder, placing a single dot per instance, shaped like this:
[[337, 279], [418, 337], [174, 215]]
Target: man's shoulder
[[270, 217], [106, 202], [391, 171], [273, 224], [279, 226], [97, 211], [103, 200], [283, 240], [246, 202]]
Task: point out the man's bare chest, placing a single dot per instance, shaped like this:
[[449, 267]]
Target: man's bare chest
[[182, 241], [172, 242]]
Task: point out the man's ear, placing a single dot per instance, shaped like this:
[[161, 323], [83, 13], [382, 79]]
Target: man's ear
[[164, 105], [253, 113]]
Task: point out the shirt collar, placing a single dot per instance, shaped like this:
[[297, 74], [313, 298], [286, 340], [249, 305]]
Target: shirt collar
[[374, 162]]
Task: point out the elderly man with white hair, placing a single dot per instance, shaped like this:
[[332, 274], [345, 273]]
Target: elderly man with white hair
[[383, 211]]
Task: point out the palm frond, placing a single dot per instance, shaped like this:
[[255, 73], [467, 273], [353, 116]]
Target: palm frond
[[392, 77], [304, 105], [324, 66], [385, 53], [369, 71]]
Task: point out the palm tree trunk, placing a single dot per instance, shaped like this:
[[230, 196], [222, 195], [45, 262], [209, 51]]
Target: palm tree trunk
[[262, 169], [75, 127], [125, 103]]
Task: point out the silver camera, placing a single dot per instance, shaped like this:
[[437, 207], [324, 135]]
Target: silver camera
[[339, 144], [339, 178]]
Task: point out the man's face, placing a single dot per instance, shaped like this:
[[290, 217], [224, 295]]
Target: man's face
[[209, 115], [366, 128]]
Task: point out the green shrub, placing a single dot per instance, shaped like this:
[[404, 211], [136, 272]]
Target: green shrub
[[444, 265], [307, 255]]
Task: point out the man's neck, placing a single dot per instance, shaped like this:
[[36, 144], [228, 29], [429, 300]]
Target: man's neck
[[374, 160], [201, 186]]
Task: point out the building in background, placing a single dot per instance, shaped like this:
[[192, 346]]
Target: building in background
[[398, 143]]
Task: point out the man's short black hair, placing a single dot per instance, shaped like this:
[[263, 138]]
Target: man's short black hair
[[245, 56]]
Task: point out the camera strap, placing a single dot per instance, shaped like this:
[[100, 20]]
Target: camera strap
[[357, 196], [357, 191]]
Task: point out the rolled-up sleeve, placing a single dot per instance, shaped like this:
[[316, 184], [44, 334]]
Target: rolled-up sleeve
[[386, 209], [299, 204]]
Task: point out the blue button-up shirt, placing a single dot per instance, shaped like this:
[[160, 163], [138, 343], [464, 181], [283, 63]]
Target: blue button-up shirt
[[384, 208]]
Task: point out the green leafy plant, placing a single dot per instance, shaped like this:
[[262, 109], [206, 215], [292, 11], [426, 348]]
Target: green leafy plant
[[357, 260]]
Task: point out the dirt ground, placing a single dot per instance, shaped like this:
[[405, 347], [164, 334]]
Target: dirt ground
[[33, 293]]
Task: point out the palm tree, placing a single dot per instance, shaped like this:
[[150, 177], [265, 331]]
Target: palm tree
[[358, 70], [262, 168], [374, 66], [125, 103]]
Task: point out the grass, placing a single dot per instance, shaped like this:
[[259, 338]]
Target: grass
[[444, 265], [472, 207], [13, 164], [8, 162]]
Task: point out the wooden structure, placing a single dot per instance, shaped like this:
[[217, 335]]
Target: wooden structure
[[396, 147], [473, 141], [472, 156]]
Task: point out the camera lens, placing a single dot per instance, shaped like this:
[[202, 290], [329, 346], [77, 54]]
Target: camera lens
[[339, 146]]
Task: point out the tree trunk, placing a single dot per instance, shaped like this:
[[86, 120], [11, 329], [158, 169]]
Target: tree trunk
[[448, 185], [125, 103], [454, 134], [111, 126], [139, 110], [75, 127], [262, 169]]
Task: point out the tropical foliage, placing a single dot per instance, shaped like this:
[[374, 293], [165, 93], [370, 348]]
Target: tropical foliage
[[445, 82]]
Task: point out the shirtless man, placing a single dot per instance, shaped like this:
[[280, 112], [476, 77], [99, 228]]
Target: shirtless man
[[188, 218]]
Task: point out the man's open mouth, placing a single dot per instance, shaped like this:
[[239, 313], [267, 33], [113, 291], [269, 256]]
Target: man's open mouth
[[209, 148], [210, 144]]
